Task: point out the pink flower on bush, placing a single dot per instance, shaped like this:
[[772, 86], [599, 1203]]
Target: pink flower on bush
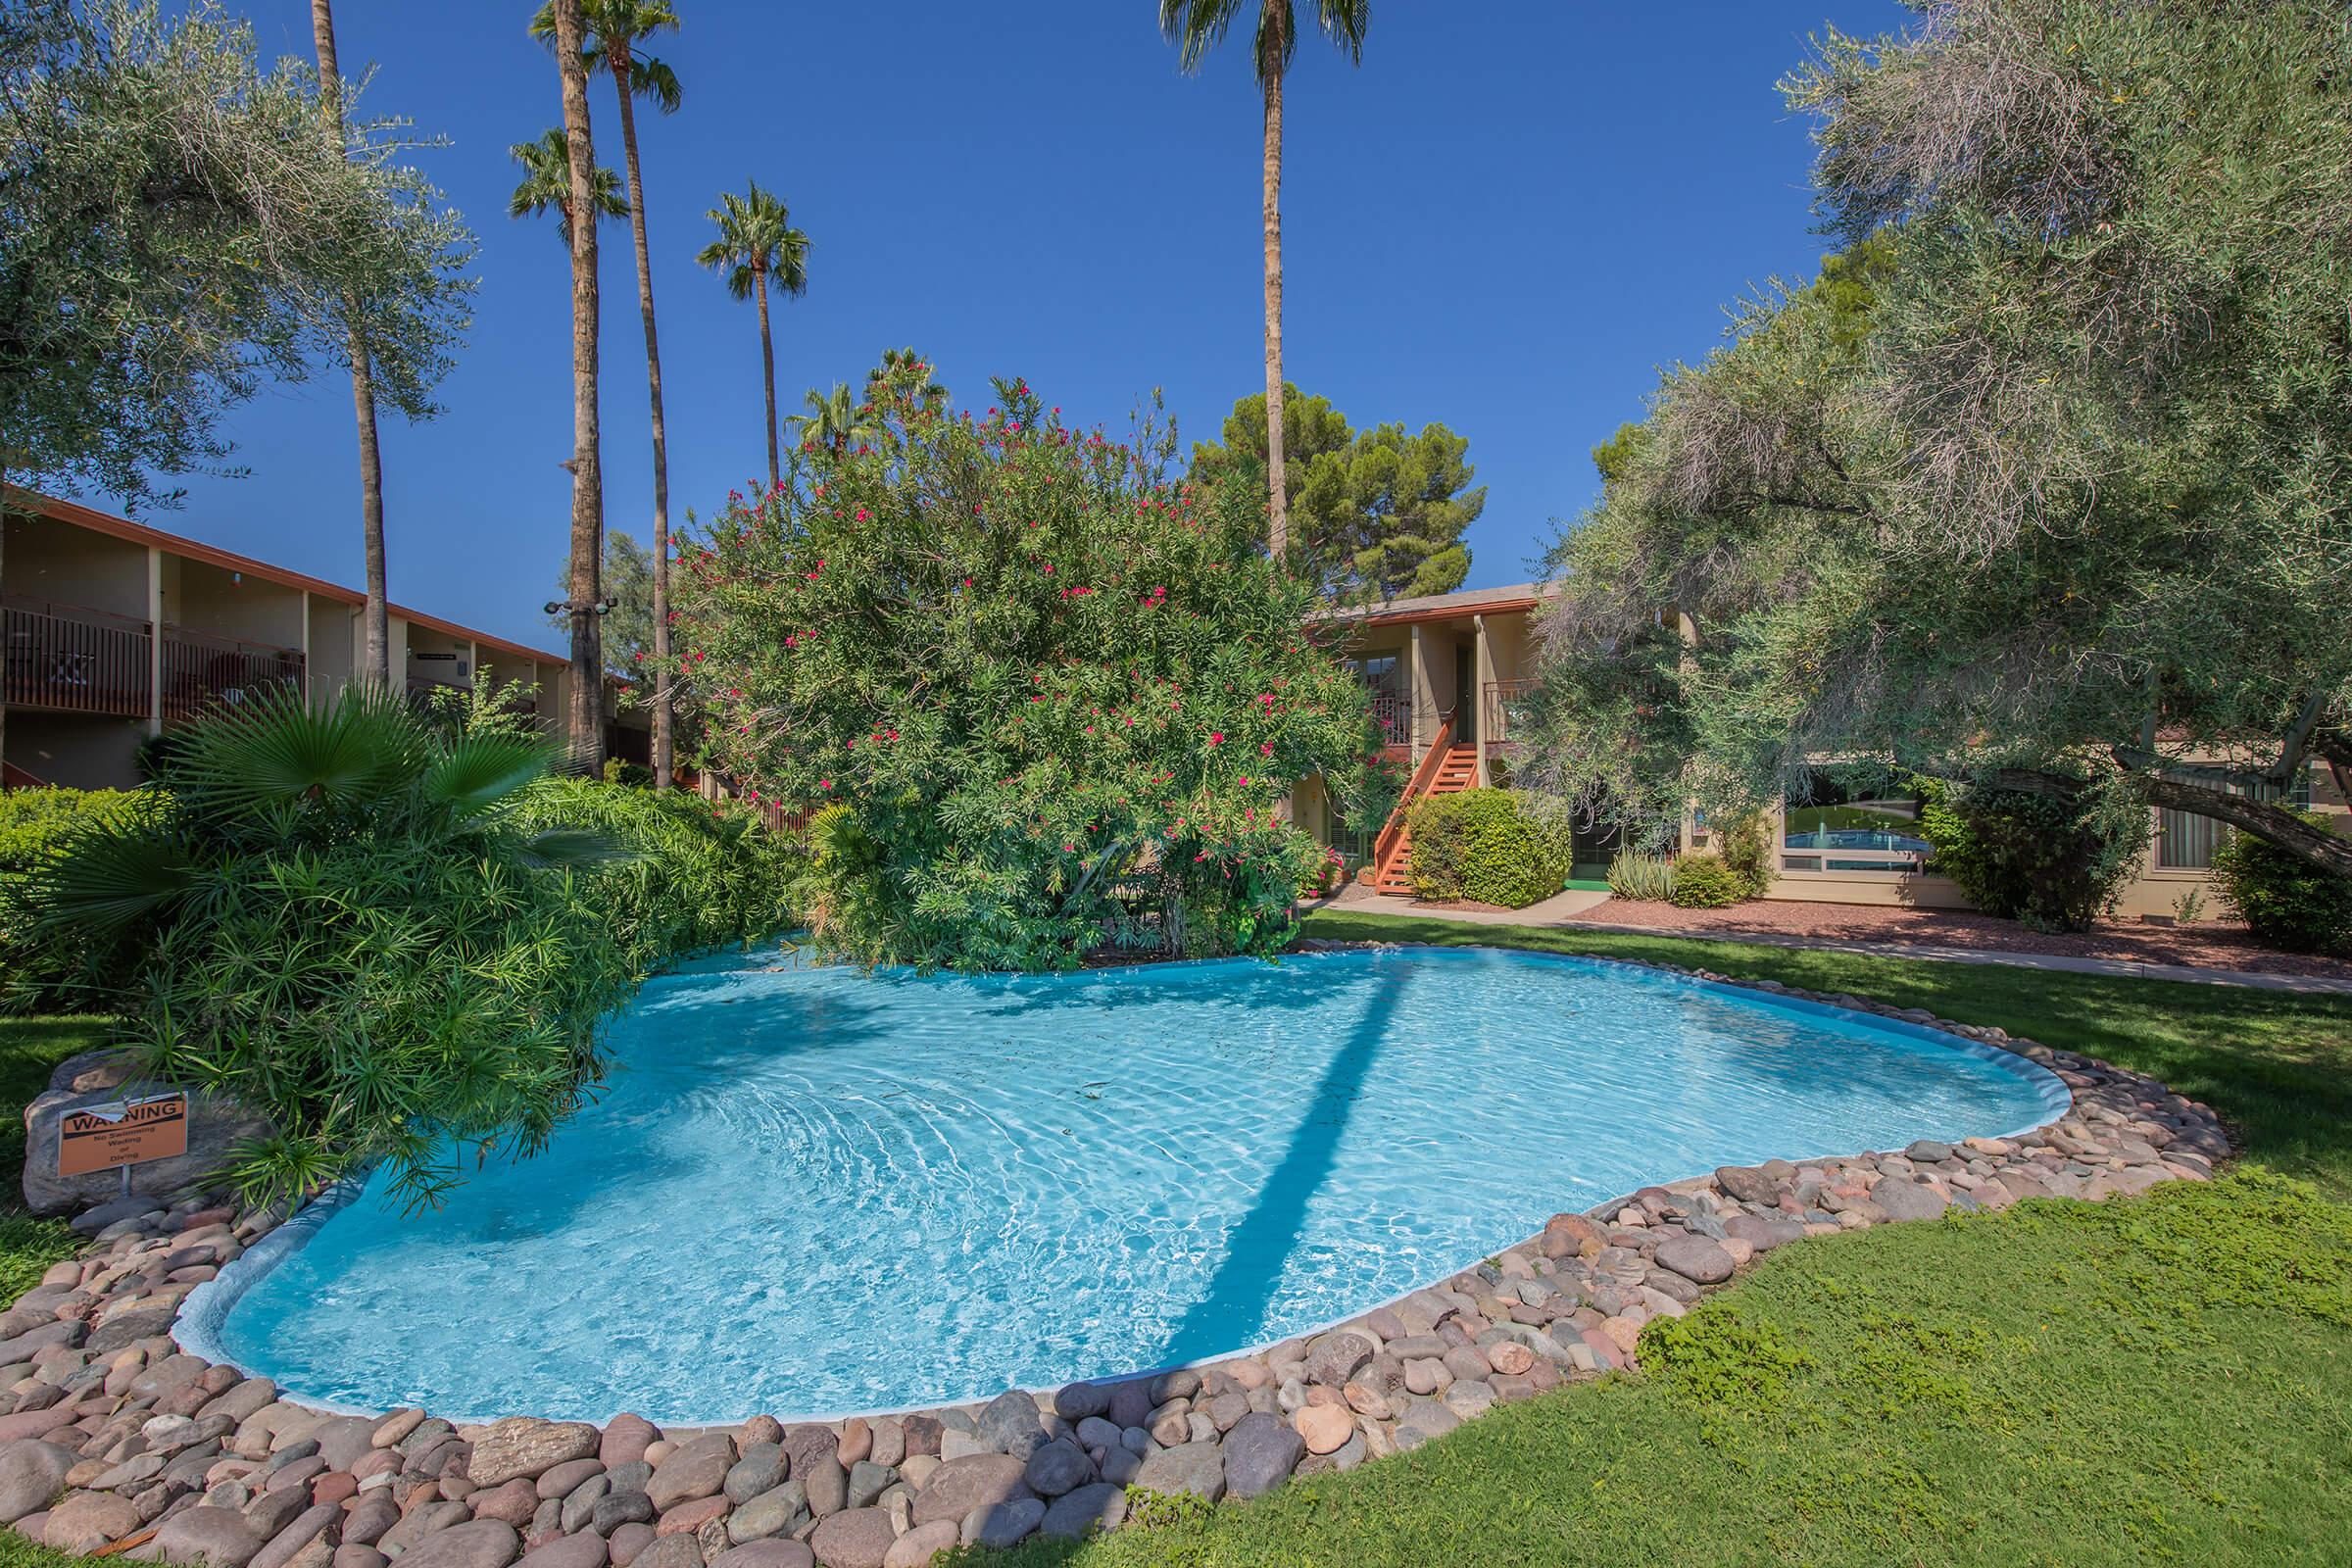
[[1216, 737]]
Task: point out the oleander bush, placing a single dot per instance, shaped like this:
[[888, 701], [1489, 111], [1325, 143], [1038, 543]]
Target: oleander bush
[[43, 971], [395, 941], [2286, 900], [1485, 846], [1639, 877], [1056, 698], [1706, 882]]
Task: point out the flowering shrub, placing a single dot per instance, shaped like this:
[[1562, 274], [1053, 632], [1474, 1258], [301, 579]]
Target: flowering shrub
[[1056, 699]]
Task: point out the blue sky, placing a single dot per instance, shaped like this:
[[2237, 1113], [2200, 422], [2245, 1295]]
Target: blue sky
[[1508, 227]]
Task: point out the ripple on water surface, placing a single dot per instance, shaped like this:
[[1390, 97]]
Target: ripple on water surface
[[810, 1192]]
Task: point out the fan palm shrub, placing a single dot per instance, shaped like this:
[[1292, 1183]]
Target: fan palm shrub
[[348, 920]]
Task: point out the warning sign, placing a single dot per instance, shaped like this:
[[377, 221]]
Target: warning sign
[[124, 1132]]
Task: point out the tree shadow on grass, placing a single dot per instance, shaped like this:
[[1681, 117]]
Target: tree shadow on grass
[[1230, 1312]]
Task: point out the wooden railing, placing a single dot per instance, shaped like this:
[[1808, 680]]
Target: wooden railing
[[202, 669], [1495, 712], [1431, 761], [13, 778], [70, 659], [1394, 713]]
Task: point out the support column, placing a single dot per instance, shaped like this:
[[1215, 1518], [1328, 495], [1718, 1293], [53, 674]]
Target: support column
[[155, 641], [309, 676], [1416, 685], [1482, 676]]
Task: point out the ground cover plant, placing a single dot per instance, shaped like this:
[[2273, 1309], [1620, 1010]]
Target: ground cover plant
[[1036, 695], [395, 942], [2144, 1382]]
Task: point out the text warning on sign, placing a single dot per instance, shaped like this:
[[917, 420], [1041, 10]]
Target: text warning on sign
[[125, 1132]]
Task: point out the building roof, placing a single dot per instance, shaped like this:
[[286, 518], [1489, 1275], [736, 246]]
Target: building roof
[[138, 533], [1520, 596]]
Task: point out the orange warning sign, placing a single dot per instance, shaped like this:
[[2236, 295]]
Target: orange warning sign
[[125, 1132]]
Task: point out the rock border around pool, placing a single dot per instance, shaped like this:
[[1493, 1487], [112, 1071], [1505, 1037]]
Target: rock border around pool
[[114, 1436]]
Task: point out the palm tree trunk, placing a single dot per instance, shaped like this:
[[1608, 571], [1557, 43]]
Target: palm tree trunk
[[653, 377], [1278, 526], [377, 662], [587, 706], [767, 367]]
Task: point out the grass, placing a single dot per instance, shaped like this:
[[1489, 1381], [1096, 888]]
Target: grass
[[2151, 1381], [28, 1049]]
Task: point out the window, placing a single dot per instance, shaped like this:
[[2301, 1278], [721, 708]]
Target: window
[[2185, 841], [1869, 817]]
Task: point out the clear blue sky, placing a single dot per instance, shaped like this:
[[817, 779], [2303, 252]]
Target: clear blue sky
[[1508, 226]]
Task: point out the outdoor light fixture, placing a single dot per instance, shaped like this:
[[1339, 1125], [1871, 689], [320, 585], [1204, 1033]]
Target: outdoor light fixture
[[563, 606]]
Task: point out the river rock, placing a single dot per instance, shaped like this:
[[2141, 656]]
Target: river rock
[[525, 1447], [31, 1474], [762, 1468], [483, 1544], [1261, 1451], [998, 1525], [1009, 1425], [218, 1538], [1696, 1258], [1057, 1467], [216, 1126], [766, 1554], [1334, 1358], [87, 1520], [1194, 1467], [696, 1470], [855, 1538], [567, 1551], [774, 1512], [959, 1486], [917, 1546], [1904, 1199], [1100, 1505]]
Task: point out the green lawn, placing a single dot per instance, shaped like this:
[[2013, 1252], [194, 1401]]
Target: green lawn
[[2154, 1380]]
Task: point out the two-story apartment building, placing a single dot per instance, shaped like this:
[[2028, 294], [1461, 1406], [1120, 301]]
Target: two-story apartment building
[[1446, 671], [112, 631]]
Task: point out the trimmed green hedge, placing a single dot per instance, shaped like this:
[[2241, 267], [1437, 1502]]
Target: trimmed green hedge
[[1484, 846], [1706, 882], [45, 974]]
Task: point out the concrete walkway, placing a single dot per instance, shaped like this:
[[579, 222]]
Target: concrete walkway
[[1562, 911]]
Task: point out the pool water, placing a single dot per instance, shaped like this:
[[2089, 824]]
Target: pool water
[[808, 1192]]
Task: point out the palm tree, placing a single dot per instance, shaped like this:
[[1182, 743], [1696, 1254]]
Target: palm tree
[[547, 185], [1197, 26], [904, 374], [619, 26], [836, 420], [580, 210], [377, 662], [758, 248]]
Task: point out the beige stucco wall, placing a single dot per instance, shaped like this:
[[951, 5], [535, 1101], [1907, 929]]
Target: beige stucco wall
[[333, 659], [77, 750], [75, 567], [201, 597]]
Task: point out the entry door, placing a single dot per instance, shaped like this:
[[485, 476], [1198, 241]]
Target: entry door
[[1465, 693]]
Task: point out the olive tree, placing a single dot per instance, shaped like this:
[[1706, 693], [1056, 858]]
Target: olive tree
[[2044, 481]]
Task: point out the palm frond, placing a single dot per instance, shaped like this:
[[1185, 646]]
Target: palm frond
[[112, 879], [276, 749], [477, 772], [574, 847]]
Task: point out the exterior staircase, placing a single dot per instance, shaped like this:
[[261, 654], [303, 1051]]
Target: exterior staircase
[[1447, 770]]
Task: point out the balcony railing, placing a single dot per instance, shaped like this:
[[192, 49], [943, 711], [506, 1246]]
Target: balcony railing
[[1502, 700], [70, 659], [1393, 714], [202, 670]]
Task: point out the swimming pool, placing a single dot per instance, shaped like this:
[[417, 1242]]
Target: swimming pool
[[813, 1192]]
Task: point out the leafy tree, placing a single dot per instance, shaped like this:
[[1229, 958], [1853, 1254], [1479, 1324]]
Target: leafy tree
[[174, 232], [546, 185], [620, 29], [1376, 515], [2043, 484], [759, 248], [906, 375], [1197, 26], [628, 575], [1037, 698]]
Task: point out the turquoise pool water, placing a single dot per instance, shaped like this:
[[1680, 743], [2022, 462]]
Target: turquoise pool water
[[813, 1192]]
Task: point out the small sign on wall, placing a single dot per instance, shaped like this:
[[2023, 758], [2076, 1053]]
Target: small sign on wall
[[122, 1133]]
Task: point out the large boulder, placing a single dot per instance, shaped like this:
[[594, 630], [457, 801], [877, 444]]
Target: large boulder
[[214, 1127]]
